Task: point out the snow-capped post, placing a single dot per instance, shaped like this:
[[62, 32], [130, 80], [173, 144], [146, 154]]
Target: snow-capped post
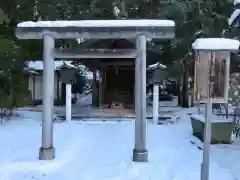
[[68, 74], [211, 80], [140, 153], [100, 29], [47, 151], [157, 77]]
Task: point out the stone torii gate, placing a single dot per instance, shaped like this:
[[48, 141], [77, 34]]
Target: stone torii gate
[[95, 29]]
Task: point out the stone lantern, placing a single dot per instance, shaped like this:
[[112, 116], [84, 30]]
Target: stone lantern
[[157, 77], [211, 81], [67, 75]]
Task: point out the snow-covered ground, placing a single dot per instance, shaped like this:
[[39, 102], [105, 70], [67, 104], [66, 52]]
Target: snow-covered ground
[[95, 150], [83, 108]]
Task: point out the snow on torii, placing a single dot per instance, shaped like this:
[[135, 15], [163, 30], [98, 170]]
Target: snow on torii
[[97, 29], [98, 23]]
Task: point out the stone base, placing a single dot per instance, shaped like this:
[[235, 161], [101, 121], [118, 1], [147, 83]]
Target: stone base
[[221, 129], [140, 156], [46, 153]]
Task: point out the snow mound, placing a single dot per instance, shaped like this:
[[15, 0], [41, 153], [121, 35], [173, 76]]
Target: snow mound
[[216, 44]]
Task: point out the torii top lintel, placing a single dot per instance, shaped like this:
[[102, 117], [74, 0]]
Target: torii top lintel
[[97, 29]]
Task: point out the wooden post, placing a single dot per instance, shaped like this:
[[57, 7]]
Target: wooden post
[[104, 83], [207, 141], [185, 94], [100, 89], [34, 88], [58, 96], [94, 88]]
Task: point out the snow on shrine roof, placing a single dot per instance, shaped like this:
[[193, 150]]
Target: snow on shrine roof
[[38, 65], [100, 23], [65, 65], [96, 29], [213, 44], [157, 65]]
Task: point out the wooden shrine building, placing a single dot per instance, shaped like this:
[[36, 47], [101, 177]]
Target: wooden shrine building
[[115, 86]]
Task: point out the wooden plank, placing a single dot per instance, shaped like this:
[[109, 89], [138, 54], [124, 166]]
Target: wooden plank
[[94, 53]]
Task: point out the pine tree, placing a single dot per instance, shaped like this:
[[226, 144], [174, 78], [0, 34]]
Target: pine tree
[[12, 79]]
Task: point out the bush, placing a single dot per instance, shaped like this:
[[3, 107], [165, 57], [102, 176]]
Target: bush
[[5, 107]]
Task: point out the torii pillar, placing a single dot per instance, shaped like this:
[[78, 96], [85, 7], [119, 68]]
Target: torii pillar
[[140, 153], [47, 151]]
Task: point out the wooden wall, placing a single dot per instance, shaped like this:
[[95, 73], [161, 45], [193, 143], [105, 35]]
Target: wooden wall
[[118, 86]]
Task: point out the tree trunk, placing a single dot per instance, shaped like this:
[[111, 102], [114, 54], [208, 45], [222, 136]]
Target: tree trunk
[[123, 12], [185, 94], [94, 90], [179, 91]]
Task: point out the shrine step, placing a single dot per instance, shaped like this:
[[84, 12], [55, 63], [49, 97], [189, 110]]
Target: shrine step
[[130, 117]]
